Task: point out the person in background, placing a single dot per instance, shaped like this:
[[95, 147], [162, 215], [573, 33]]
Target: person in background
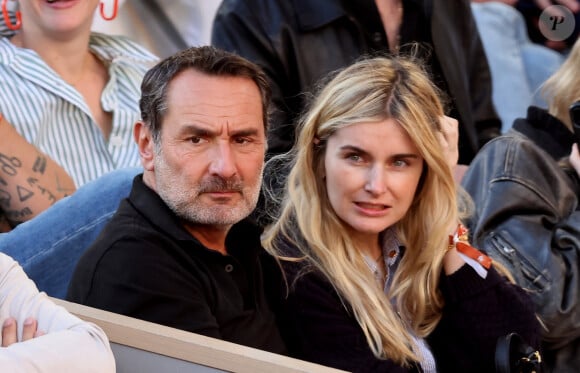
[[518, 75], [69, 96], [532, 11], [39, 336], [163, 27], [379, 276], [299, 42], [180, 251], [527, 213]]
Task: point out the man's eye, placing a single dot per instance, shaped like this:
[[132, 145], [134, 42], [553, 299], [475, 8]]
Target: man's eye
[[195, 140], [242, 140]]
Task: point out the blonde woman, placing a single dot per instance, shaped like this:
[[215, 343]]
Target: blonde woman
[[363, 236]]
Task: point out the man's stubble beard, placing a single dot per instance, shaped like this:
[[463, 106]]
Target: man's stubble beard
[[185, 201]]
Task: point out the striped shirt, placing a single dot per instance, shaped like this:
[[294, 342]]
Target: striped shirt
[[53, 116]]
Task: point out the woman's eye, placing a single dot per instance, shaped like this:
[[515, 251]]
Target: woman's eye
[[354, 157], [399, 163]]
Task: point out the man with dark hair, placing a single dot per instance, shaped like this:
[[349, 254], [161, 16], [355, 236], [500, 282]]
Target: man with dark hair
[[180, 250]]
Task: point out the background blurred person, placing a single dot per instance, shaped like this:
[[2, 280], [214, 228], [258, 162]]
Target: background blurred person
[[527, 214], [299, 42], [73, 95], [163, 27]]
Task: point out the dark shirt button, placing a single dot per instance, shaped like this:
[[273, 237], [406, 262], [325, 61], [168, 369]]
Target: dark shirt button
[[377, 37], [229, 268]]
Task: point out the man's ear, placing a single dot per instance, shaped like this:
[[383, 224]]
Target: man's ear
[[144, 139]]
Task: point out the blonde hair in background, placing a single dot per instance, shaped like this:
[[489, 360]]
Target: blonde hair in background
[[562, 89], [373, 89]]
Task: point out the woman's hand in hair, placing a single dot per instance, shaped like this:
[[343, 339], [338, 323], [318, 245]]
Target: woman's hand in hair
[[449, 139], [575, 158]]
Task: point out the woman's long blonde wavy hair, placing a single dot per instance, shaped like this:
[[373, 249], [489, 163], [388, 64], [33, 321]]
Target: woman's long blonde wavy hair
[[373, 89], [562, 89]]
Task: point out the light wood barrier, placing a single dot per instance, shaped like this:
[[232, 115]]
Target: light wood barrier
[[143, 347]]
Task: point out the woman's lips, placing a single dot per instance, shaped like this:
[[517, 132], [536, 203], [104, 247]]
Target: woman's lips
[[372, 209]]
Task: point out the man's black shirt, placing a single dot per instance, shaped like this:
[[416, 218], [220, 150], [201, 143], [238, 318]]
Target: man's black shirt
[[146, 265]]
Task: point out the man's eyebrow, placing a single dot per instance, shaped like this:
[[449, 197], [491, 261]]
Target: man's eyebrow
[[192, 129], [242, 132]]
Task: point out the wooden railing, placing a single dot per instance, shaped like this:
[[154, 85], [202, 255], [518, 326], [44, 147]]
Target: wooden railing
[[143, 347]]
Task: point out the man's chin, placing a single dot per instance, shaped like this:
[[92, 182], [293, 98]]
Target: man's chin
[[226, 215]]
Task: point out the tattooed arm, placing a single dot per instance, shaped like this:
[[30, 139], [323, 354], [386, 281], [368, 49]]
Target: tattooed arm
[[30, 181]]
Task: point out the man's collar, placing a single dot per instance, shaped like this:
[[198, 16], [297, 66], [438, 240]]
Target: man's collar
[[244, 234]]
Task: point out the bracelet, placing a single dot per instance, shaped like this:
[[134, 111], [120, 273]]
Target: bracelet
[[459, 241]]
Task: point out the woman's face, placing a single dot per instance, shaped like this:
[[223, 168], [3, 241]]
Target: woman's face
[[57, 16], [372, 171]]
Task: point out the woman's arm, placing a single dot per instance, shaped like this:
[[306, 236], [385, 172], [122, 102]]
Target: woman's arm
[[30, 181], [68, 345], [477, 312]]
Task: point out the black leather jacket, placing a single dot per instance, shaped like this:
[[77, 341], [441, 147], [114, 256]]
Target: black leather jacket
[[298, 42], [527, 217]]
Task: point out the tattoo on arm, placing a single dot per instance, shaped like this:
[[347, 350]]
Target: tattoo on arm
[[23, 193], [39, 164], [18, 216], [9, 164], [48, 194]]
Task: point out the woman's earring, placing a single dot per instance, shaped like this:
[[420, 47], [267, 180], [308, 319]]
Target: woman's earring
[[115, 9], [7, 17]]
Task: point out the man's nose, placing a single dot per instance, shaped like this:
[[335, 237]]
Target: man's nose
[[223, 161]]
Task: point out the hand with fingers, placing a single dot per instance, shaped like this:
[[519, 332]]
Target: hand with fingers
[[10, 331], [449, 139]]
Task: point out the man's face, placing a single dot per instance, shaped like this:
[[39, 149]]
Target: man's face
[[208, 165]]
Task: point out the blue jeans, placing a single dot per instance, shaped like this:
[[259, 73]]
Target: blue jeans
[[49, 246], [518, 67]]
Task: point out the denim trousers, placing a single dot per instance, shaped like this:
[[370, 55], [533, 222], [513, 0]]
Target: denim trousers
[[518, 67], [49, 246]]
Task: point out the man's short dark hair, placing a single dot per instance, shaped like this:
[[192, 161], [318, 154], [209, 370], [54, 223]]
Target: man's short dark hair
[[207, 60]]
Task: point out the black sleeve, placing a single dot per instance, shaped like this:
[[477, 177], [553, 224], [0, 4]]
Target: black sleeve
[[477, 312], [239, 29], [487, 122]]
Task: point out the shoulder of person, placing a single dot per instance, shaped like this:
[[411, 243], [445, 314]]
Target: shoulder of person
[[118, 47]]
